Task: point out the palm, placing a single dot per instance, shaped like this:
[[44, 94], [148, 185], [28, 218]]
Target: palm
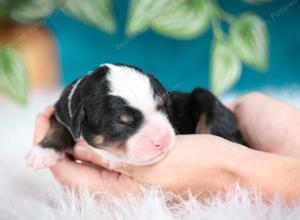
[[95, 178]]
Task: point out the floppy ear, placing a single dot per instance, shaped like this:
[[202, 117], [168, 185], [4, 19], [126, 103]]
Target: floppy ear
[[76, 121]]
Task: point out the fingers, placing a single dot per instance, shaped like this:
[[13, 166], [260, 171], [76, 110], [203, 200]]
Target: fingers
[[42, 124], [68, 172], [49, 111], [76, 175], [82, 151]]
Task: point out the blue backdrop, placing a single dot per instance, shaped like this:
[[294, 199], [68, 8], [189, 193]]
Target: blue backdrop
[[180, 64]]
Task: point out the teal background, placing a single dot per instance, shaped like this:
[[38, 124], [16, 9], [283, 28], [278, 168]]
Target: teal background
[[179, 64]]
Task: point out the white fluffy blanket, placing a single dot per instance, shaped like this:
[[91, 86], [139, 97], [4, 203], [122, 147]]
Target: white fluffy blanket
[[25, 194]]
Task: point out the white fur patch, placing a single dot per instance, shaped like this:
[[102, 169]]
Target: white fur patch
[[113, 161], [74, 87], [134, 87], [39, 157], [110, 159]]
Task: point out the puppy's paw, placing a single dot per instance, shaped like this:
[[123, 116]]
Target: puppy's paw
[[39, 157]]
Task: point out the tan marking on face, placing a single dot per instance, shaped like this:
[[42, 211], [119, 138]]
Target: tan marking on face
[[118, 148], [201, 127], [124, 118], [98, 139]]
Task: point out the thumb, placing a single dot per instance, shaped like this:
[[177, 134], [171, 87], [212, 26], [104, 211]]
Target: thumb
[[86, 153]]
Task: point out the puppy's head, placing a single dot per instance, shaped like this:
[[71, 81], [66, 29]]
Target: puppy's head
[[123, 114]]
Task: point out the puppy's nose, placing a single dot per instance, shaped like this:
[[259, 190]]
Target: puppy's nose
[[161, 141]]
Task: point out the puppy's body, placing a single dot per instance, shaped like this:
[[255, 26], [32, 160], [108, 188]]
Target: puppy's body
[[200, 112], [128, 117]]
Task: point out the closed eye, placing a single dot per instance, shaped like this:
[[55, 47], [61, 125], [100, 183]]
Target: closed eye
[[126, 119]]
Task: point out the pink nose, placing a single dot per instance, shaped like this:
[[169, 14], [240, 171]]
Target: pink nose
[[161, 141]]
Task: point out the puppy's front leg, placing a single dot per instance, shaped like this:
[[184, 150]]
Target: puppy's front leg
[[213, 117], [57, 141]]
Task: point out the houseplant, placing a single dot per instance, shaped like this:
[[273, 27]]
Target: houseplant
[[27, 50], [246, 41]]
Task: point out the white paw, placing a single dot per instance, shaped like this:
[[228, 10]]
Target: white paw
[[39, 157]]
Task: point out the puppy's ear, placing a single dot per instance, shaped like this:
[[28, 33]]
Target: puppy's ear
[[76, 122]]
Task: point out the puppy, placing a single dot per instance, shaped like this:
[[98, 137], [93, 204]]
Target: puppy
[[128, 117]]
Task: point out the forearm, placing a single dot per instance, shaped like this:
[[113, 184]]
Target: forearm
[[270, 174], [206, 164]]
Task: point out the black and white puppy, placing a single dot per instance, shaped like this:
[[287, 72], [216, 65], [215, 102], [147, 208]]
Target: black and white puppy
[[128, 117]]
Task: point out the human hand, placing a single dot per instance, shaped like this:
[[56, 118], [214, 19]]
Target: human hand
[[268, 124], [200, 163], [196, 162], [70, 173]]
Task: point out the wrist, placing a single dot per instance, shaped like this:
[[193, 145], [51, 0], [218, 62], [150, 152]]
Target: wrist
[[226, 172], [233, 166], [270, 174]]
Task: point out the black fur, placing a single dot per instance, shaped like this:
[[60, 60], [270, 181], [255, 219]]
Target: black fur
[[94, 112], [187, 108], [58, 137]]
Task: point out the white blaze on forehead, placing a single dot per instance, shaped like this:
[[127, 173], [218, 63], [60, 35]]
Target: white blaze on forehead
[[132, 86]]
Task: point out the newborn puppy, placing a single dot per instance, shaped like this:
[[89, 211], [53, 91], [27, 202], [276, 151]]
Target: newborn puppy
[[118, 110], [128, 117]]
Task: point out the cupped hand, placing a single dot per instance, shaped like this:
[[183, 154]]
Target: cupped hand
[[199, 163], [73, 174], [202, 160], [268, 124]]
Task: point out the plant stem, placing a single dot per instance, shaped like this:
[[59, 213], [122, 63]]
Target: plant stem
[[218, 15], [217, 30], [229, 18]]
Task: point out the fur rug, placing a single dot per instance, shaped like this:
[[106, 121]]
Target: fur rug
[[26, 194]]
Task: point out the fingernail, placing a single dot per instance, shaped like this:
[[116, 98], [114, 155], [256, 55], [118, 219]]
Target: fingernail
[[83, 152]]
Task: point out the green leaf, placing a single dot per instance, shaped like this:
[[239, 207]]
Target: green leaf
[[186, 19], [30, 11], [4, 7], [225, 67], [178, 19], [142, 12], [257, 1], [13, 74], [249, 37], [95, 12]]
